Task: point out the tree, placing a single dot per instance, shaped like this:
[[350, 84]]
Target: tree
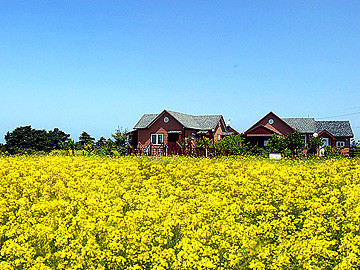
[[232, 145], [101, 142], [121, 137], [277, 144], [27, 139], [85, 138], [56, 137], [314, 145], [294, 143], [68, 145], [19, 138]]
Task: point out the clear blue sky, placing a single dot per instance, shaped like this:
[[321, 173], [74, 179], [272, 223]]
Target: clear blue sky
[[96, 65]]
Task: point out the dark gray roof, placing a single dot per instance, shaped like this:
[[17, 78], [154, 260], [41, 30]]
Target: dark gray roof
[[207, 121], [310, 125], [185, 119], [203, 122], [335, 128], [303, 125], [145, 120]]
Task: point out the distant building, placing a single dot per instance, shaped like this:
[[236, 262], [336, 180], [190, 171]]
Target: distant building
[[168, 131], [333, 133]]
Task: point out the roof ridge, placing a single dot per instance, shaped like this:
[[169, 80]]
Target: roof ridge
[[200, 122], [298, 118], [332, 120], [179, 113]]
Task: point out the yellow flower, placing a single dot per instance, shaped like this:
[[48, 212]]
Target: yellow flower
[[86, 212]]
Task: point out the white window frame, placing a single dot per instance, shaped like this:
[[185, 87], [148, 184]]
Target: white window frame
[[157, 137], [340, 143], [266, 143]]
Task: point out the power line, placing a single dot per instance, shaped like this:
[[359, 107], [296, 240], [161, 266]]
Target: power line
[[339, 115]]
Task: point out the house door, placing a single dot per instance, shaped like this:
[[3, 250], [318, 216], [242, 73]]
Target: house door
[[173, 148]]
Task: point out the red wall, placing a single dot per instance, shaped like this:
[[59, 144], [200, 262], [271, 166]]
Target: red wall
[[278, 123], [219, 129], [159, 126]]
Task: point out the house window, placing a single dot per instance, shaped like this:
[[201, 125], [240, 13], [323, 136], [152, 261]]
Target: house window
[[219, 137], [266, 142], [157, 138], [340, 144], [303, 137]]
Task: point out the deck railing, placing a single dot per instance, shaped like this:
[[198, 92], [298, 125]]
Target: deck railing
[[354, 152], [169, 150]]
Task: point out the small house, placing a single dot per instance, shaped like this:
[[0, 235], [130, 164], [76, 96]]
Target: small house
[[167, 132], [332, 133]]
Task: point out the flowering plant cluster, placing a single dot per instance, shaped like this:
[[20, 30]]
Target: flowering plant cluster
[[70, 212]]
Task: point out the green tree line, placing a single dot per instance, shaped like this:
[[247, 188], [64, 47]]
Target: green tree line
[[28, 140]]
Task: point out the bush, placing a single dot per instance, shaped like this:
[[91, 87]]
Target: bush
[[292, 145], [232, 145]]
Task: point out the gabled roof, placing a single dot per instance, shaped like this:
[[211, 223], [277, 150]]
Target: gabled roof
[[208, 121], [145, 120], [270, 113], [303, 125], [267, 125], [326, 132], [335, 128], [201, 122], [253, 131], [310, 125]]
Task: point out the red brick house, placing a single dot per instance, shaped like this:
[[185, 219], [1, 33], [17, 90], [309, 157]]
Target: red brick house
[[333, 133], [167, 132]]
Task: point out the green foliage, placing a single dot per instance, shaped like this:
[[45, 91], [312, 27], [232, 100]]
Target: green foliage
[[89, 148], [26, 140], [57, 136], [100, 143], [290, 145], [229, 145], [85, 138], [232, 145], [69, 145], [107, 148], [121, 138], [257, 151], [333, 152], [294, 144], [314, 145], [355, 144], [277, 144]]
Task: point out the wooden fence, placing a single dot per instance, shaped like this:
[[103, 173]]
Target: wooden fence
[[169, 150], [189, 150], [354, 152]]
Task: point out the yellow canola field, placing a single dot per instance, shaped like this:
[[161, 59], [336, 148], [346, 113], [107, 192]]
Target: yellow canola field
[[62, 212]]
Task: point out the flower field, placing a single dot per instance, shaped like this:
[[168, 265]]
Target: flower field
[[63, 212]]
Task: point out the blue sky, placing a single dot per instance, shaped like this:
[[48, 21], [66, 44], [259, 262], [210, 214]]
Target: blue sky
[[96, 65]]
